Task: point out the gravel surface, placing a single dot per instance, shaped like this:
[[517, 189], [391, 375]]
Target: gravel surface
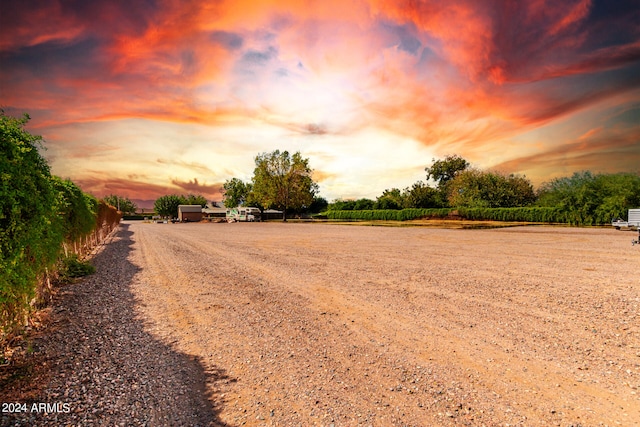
[[96, 363], [307, 324]]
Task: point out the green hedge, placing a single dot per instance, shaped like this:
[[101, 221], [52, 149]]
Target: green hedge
[[387, 214], [555, 215], [136, 217], [30, 234], [523, 214], [39, 213]]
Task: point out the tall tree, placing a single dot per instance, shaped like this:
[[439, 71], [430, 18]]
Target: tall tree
[[282, 181], [446, 169], [193, 199], [319, 204], [167, 206], [236, 192]]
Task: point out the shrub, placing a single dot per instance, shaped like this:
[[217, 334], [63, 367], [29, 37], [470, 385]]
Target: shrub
[[72, 267], [387, 214], [588, 199], [39, 215], [523, 214]]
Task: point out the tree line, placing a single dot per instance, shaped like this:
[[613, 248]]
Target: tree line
[[283, 181], [45, 223], [457, 184], [584, 198]]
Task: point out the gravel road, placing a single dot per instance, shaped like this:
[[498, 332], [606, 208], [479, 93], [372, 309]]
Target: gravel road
[[308, 324]]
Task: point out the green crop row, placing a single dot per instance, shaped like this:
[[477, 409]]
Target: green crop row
[[549, 215], [523, 214], [387, 214], [556, 215]]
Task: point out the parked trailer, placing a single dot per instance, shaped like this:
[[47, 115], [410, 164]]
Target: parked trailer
[[248, 214], [633, 221]]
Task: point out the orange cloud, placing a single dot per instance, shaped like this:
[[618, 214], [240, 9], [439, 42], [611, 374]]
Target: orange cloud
[[100, 184], [600, 60], [320, 176], [242, 77], [46, 24], [574, 14], [600, 150], [211, 191], [590, 133]]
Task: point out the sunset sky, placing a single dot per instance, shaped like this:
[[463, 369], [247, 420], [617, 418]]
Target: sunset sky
[[153, 97]]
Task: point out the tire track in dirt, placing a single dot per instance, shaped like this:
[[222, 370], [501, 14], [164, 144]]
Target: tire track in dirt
[[328, 329], [532, 373]]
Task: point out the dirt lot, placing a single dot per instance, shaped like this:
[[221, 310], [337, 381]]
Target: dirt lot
[[347, 325], [334, 325]]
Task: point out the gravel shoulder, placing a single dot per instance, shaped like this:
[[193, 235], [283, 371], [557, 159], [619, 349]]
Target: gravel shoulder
[[307, 324], [97, 364]]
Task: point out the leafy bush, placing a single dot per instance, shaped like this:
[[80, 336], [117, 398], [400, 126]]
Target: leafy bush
[[588, 199], [76, 210], [473, 188], [72, 267], [30, 232], [124, 204], [39, 214]]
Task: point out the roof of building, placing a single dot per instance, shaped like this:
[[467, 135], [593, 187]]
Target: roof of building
[[214, 210], [190, 208]]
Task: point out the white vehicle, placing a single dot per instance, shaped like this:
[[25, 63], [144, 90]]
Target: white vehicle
[[245, 214], [633, 221]]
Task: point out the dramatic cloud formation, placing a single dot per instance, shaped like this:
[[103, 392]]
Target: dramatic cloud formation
[[154, 97]]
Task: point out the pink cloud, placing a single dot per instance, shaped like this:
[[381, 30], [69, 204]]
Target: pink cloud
[[599, 150], [454, 76], [210, 191], [100, 184]]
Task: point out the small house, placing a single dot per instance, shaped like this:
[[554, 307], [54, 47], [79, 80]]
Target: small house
[[189, 213]]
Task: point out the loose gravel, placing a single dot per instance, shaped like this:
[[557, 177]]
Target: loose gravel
[[98, 365], [306, 324]]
